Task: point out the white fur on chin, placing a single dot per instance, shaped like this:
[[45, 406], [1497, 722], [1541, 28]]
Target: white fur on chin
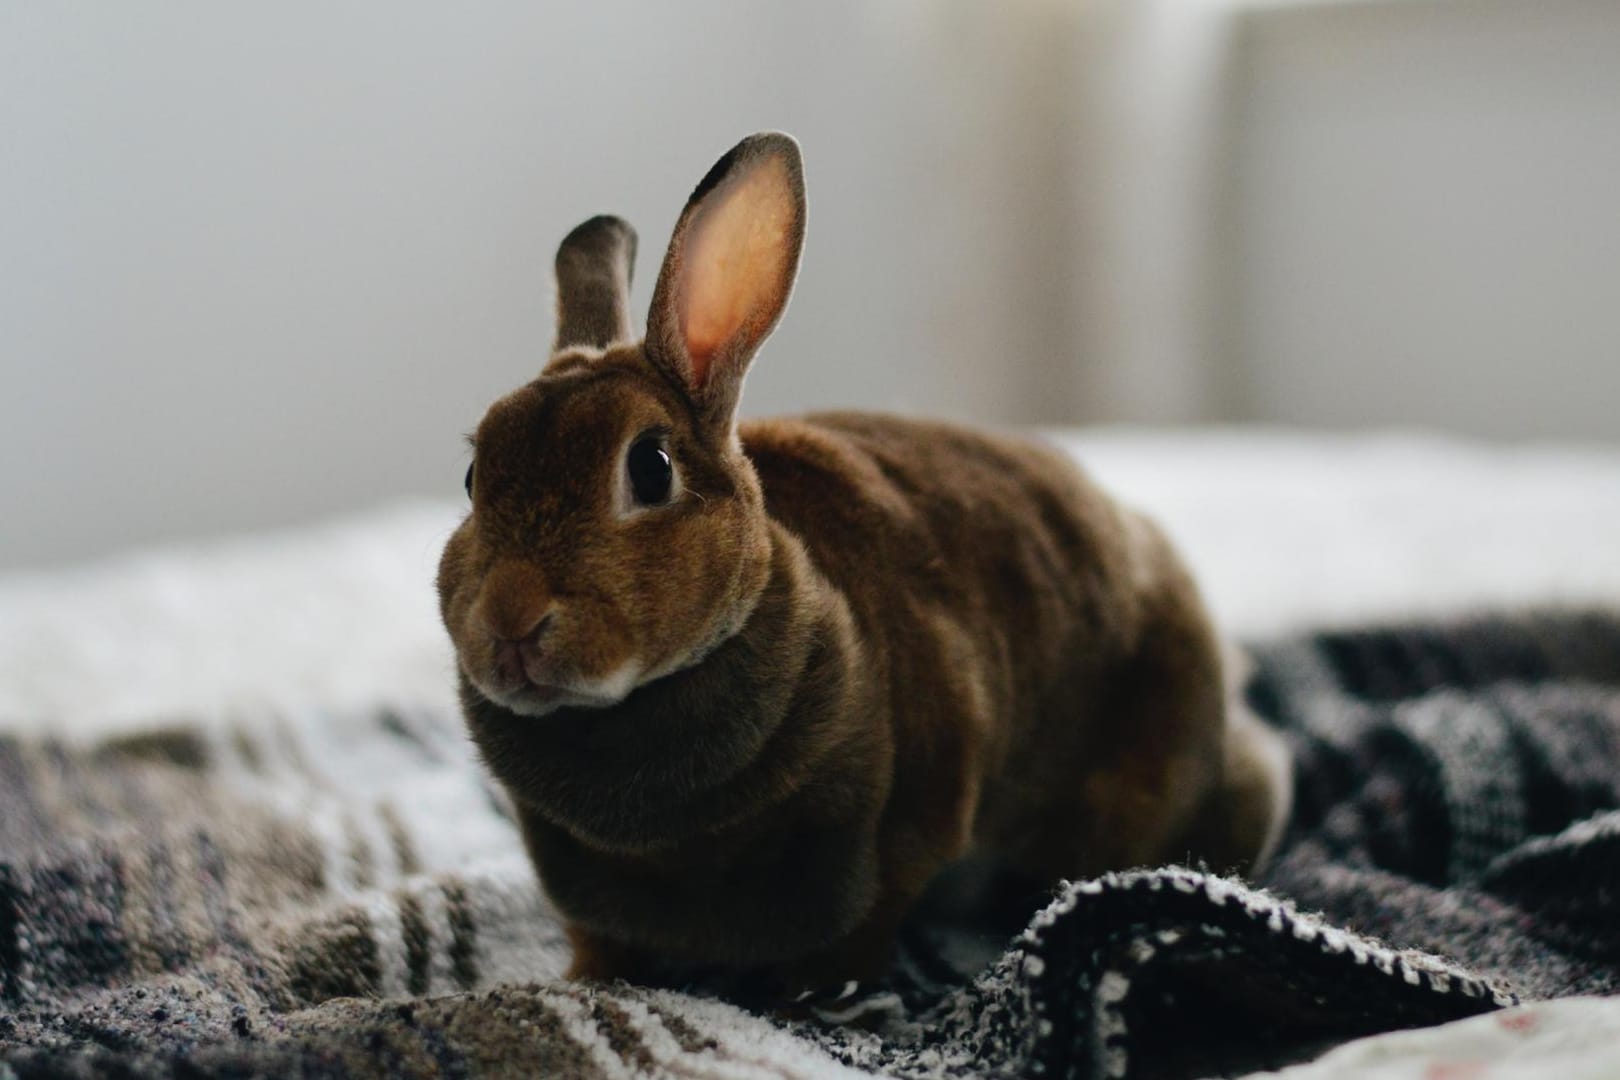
[[593, 694]]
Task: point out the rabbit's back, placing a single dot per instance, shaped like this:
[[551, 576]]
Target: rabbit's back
[[986, 574], [1002, 532], [1048, 657]]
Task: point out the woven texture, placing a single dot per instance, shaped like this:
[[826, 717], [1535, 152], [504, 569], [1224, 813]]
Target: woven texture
[[328, 895]]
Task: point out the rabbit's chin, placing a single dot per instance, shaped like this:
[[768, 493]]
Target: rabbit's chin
[[531, 700]]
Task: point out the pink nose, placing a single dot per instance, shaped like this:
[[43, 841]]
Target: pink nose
[[514, 602], [525, 633], [515, 609], [515, 658]]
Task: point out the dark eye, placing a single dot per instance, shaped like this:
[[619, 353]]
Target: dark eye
[[650, 471], [468, 481]]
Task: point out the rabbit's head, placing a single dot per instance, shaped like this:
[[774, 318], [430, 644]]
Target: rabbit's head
[[617, 532]]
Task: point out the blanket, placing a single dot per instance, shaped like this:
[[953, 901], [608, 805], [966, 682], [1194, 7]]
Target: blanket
[[342, 894]]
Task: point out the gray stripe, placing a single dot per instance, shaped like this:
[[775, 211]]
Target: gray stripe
[[1473, 745]]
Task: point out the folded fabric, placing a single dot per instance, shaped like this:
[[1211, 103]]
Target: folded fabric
[[333, 895]]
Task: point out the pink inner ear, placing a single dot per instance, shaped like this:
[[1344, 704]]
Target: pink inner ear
[[734, 265]]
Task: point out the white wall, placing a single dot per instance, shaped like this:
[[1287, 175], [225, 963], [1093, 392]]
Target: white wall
[[265, 261], [1352, 213], [261, 262], [1425, 217]]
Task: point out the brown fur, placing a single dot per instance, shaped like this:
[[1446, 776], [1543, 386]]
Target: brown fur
[[862, 646]]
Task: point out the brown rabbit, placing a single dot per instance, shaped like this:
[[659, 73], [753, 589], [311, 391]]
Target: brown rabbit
[[751, 686]]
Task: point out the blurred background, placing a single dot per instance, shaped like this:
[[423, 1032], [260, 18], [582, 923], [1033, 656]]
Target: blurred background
[[260, 263]]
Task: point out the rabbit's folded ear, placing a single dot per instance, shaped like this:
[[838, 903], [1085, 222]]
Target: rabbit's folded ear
[[594, 263], [729, 270]]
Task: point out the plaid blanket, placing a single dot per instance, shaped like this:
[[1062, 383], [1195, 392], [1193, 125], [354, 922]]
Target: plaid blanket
[[316, 894]]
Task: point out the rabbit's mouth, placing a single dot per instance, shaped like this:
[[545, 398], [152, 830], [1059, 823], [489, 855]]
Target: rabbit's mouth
[[530, 697]]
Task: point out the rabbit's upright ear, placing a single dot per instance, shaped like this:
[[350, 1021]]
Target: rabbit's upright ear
[[729, 271], [594, 263]]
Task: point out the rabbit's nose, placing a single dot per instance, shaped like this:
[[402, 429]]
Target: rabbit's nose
[[515, 602], [529, 644], [517, 659], [524, 632]]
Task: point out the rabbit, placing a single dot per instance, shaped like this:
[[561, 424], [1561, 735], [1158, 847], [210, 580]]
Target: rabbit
[[751, 686]]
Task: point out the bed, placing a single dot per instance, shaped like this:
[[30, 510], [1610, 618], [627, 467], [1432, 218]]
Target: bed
[[240, 829]]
